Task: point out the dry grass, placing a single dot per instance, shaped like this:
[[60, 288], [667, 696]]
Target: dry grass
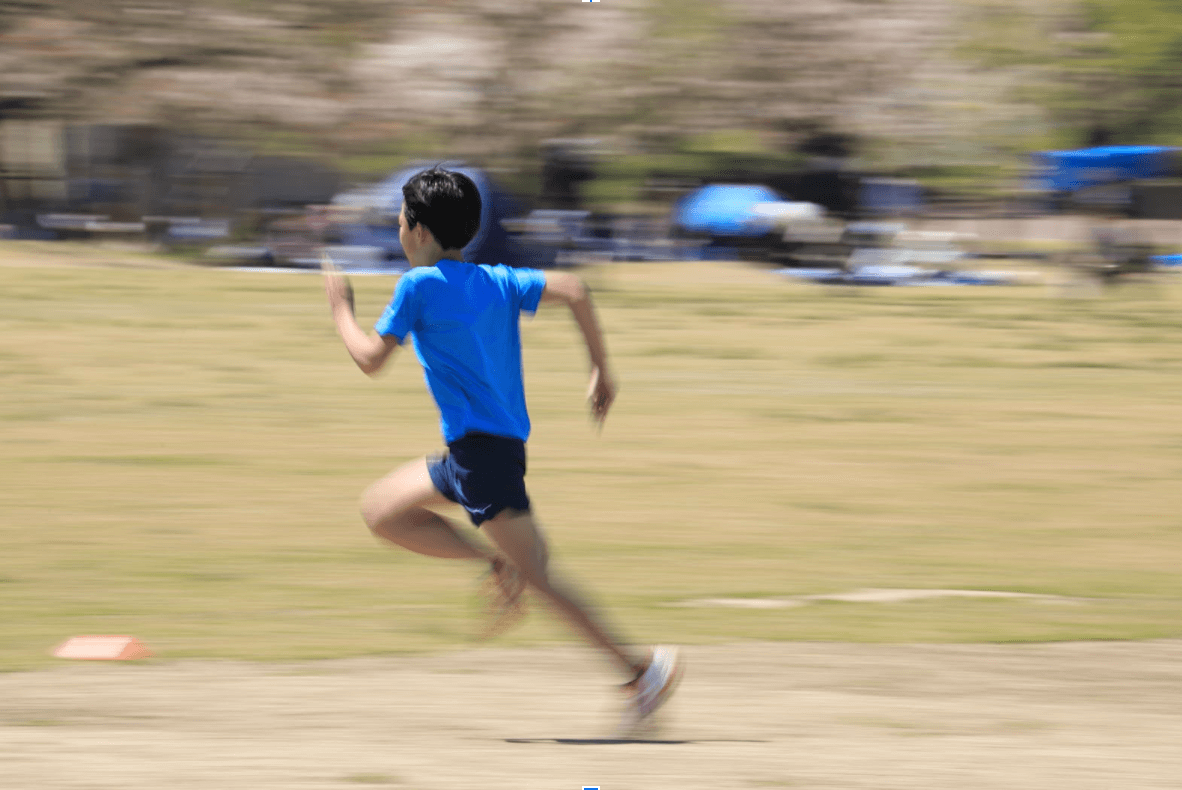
[[184, 448]]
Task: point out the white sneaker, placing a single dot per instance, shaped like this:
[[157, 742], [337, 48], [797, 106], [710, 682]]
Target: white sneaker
[[653, 687]]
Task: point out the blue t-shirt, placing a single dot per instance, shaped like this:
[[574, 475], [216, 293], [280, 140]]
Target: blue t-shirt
[[464, 319]]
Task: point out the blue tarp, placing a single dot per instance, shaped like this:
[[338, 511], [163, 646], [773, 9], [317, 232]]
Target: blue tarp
[[724, 210], [492, 243], [1068, 171]]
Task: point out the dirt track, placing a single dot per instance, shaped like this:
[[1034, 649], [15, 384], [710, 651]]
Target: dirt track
[[1076, 715]]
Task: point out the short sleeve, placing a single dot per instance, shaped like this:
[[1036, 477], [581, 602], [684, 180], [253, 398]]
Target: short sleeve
[[399, 316], [530, 284]]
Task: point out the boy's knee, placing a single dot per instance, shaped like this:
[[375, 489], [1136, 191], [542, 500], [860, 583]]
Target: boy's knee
[[535, 568], [539, 579], [373, 510]]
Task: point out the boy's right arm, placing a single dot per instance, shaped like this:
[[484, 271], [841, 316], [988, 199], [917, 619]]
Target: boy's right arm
[[572, 291], [369, 351]]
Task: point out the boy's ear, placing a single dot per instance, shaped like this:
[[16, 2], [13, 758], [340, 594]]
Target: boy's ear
[[424, 234]]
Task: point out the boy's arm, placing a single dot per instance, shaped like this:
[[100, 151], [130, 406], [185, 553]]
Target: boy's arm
[[572, 291], [371, 351]]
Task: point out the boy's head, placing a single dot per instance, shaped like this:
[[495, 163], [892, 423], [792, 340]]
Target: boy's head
[[446, 203]]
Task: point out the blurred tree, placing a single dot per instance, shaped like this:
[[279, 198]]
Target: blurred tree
[[1106, 71]]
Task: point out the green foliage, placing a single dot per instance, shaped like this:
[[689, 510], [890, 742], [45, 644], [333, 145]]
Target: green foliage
[[1098, 67], [622, 181], [375, 159], [1006, 33], [687, 23]]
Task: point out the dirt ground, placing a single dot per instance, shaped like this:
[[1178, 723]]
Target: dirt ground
[[1097, 715]]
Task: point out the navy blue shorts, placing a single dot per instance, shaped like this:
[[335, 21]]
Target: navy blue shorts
[[483, 473]]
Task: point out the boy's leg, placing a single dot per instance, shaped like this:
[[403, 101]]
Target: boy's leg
[[518, 537], [395, 509]]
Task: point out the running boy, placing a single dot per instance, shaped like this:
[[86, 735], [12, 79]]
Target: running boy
[[465, 322]]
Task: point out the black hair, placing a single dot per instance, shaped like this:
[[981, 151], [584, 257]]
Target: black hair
[[447, 203]]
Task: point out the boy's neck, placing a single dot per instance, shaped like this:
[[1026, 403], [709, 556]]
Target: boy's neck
[[435, 257]]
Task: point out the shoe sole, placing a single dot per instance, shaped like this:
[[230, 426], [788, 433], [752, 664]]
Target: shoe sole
[[661, 695], [636, 724]]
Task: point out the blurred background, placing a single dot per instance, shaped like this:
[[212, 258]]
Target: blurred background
[[251, 132], [186, 444]]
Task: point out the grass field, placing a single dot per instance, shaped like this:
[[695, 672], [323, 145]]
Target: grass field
[[184, 448]]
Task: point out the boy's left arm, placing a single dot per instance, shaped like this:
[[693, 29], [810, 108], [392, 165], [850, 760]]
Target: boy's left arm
[[570, 290], [369, 351]]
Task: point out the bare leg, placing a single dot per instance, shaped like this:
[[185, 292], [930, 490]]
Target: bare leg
[[517, 536], [395, 510]]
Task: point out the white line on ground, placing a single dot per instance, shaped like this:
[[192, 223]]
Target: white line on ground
[[872, 595]]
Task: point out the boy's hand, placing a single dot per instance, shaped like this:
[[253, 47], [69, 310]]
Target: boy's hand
[[336, 285], [600, 394]]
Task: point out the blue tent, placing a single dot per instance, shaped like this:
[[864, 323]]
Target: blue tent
[[1068, 171], [724, 210], [492, 243]]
